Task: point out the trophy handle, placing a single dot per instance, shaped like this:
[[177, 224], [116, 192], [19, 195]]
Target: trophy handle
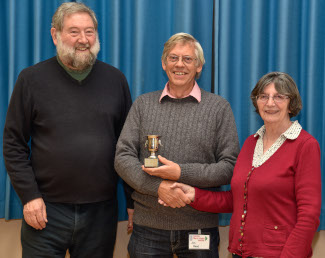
[[146, 144], [159, 142]]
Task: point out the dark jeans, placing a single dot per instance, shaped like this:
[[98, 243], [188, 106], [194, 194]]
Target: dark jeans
[[149, 242], [237, 256], [86, 230]]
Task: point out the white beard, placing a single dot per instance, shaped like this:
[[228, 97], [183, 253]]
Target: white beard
[[77, 60]]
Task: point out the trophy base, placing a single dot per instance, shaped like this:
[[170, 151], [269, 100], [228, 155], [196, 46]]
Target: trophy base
[[151, 163]]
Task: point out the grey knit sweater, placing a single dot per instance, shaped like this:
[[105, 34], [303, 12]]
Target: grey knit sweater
[[200, 136]]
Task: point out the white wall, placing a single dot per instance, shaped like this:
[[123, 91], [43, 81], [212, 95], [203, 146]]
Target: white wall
[[10, 241]]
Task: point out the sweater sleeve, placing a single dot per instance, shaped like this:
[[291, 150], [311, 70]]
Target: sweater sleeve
[[215, 202], [16, 151], [127, 163], [227, 148], [308, 198], [128, 190], [127, 102]]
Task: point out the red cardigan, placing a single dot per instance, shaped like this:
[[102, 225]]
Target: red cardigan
[[283, 204]]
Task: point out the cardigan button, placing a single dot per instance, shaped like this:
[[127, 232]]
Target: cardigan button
[[275, 227]]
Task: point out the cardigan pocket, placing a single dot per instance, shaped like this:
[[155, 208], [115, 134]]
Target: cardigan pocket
[[274, 235]]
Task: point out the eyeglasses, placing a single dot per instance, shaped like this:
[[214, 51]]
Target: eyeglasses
[[279, 98], [185, 59]]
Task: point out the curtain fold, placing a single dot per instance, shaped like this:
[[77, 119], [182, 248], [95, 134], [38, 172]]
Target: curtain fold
[[132, 35], [242, 40]]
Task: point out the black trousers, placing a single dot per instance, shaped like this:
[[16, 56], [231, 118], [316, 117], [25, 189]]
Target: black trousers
[[86, 230]]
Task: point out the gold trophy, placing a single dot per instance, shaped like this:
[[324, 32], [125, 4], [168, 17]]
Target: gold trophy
[[152, 144]]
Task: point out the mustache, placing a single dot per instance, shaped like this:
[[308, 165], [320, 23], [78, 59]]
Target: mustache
[[83, 45]]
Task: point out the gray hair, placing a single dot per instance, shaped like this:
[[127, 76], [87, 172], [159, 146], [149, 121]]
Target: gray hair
[[68, 9], [184, 38], [284, 84]]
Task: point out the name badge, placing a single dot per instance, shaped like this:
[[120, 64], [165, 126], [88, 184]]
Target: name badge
[[198, 241]]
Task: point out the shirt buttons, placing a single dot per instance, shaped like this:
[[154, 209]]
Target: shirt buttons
[[243, 216]]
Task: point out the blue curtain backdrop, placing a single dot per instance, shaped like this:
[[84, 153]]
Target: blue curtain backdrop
[[242, 40]]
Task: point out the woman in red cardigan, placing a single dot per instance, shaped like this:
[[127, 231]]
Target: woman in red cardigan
[[275, 194]]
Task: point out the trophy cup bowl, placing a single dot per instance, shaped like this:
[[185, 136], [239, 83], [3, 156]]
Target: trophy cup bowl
[[152, 144]]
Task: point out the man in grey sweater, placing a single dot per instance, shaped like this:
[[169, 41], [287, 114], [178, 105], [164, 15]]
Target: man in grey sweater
[[199, 148]]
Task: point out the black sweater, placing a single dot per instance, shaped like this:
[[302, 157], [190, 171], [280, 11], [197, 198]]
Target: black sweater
[[73, 127]]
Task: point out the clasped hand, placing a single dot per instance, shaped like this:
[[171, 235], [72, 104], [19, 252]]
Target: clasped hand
[[188, 191], [172, 197]]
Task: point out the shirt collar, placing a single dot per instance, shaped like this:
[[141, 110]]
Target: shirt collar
[[291, 133], [196, 92]]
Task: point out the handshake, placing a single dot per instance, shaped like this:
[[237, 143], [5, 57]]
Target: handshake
[[187, 197]]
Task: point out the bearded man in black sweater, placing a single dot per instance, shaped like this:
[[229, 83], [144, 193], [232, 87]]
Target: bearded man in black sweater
[[72, 108]]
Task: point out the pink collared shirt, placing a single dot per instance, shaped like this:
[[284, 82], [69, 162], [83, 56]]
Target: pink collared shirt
[[196, 92]]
